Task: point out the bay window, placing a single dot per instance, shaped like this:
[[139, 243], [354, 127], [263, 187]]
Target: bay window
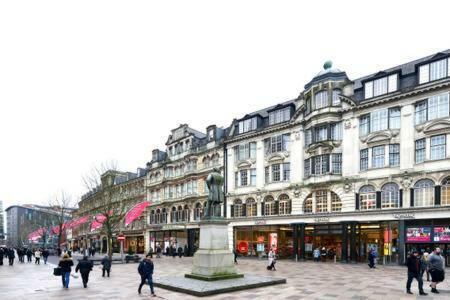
[[321, 99], [437, 147]]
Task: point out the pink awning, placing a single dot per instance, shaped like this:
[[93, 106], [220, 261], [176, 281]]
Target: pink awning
[[135, 212], [98, 222]]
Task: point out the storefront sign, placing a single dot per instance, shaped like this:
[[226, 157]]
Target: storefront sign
[[260, 222], [402, 216], [243, 247], [273, 241], [418, 234], [442, 234], [173, 227], [322, 219]]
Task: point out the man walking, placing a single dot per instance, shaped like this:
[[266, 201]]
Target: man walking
[[85, 267], [436, 269], [29, 254], [414, 271], [11, 256], [45, 255], [106, 263], [145, 269]]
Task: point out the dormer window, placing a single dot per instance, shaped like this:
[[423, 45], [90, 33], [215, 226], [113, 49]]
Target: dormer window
[[321, 99], [247, 125], [335, 101], [279, 116], [434, 71], [179, 133], [211, 134], [381, 86]]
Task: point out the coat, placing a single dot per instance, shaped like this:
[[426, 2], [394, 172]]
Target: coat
[[414, 265], [84, 266], [106, 263], [271, 257], [11, 254], [65, 264], [146, 268]]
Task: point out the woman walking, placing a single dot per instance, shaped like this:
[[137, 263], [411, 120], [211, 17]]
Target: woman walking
[[66, 265], [272, 260]]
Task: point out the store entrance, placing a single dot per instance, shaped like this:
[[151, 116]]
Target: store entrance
[[327, 239], [427, 247]]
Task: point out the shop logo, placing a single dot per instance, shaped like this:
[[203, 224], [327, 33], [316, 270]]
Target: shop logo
[[404, 216], [322, 219], [260, 222]]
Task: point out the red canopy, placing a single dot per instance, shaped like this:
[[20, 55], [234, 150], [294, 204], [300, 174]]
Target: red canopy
[[135, 212]]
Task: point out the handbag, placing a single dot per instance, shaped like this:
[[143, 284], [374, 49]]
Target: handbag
[[57, 271]]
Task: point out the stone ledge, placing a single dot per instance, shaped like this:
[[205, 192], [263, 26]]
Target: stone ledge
[[201, 288], [213, 277]]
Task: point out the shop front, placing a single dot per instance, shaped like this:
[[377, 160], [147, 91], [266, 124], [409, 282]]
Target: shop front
[[134, 244], [256, 241], [168, 236]]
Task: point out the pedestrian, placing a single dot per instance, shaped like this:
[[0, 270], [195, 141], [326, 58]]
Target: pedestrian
[[59, 251], [106, 263], [45, 255], [174, 251], [167, 251], [186, 250], [65, 264], [436, 269], [85, 267], [20, 254], [271, 260], [414, 271], [2, 253], [180, 251], [150, 252], [69, 252], [93, 251], [11, 256], [235, 254], [372, 258], [316, 255], [158, 251], [146, 269], [29, 254], [37, 257], [323, 254], [425, 262]]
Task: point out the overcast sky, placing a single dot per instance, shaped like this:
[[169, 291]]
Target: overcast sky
[[83, 82]]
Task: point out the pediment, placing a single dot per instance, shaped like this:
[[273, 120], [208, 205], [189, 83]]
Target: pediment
[[276, 157], [325, 146], [244, 164], [380, 136], [438, 125]]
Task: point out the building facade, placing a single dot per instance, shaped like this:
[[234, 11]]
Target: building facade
[[348, 166], [2, 224], [176, 186]]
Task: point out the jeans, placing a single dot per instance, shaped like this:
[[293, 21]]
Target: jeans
[[105, 270], [45, 259], [85, 278], [65, 279], [150, 282], [411, 276], [38, 260]]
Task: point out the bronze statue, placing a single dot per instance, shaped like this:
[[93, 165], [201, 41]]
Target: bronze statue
[[214, 181]]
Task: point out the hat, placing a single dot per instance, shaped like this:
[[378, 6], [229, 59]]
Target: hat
[[66, 255]]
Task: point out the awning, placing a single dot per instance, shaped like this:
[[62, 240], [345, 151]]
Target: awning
[[98, 222], [135, 212], [77, 222]]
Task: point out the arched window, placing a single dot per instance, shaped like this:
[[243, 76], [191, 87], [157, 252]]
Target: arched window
[[152, 217], [173, 215], [307, 205], [164, 216], [180, 214], [424, 193], [367, 198], [206, 161], [269, 206], [251, 207], [445, 192], [321, 201], [186, 213], [238, 208], [198, 211], [215, 159], [336, 204], [285, 205], [390, 196]]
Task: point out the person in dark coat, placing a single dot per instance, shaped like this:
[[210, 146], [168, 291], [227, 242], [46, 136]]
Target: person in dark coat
[[11, 256], [168, 250], [20, 254], [106, 263], [372, 258], [186, 250], [146, 269], [85, 267], [158, 251], [180, 252], [29, 254], [2, 253], [45, 255], [414, 271], [66, 265], [174, 250]]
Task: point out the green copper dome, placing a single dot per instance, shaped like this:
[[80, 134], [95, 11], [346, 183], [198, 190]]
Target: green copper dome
[[328, 64]]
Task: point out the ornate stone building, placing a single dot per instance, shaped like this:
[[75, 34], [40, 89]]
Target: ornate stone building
[[348, 166], [176, 186]]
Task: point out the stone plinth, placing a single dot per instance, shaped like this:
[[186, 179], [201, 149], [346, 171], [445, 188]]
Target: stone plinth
[[213, 260]]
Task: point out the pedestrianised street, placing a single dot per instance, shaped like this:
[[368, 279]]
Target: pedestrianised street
[[306, 280]]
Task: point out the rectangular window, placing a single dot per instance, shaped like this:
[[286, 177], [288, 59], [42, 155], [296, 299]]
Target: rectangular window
[[276, 173], [246, 151], [321, 99], [381, 86], [392, 83], [420, 146], [378, 120], [368, 89], [394, 118], [286, 171], [253, 177], [438, 106], [394, 155], [336, 131], [321, 164], [253, 150], [236, 179], [364, 159], [320, 133], [308, 137], [434, 71], [364, 125], [279, 116], [336, 101], [378, 157], [267, 175], [244, 177], [276, 144], [247, 125], [437, 147], [421, 109], [424, 74], [307, 167], [336, 163]]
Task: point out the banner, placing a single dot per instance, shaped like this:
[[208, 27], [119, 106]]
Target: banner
[[77, 222], [98, 222], [135, 212], [442, 234], [418, 234]]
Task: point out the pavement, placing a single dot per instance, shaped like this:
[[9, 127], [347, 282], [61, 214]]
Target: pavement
[[305, 280]]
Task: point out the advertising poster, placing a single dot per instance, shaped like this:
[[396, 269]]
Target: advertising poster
[[418, 234], [260, 247], [442, 234], [243, 247], [273, 241]]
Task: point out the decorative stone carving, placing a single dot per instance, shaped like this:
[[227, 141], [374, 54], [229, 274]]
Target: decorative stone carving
[[436, 126], [406, 181], [347, 186], [347, 124]]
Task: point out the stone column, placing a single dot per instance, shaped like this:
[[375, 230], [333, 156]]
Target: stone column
[[353, 241], [344, 253], [401, 242], [295, 237], [301, 228]]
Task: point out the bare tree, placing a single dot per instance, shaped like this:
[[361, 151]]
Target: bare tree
[[63, 205], [109, 210]]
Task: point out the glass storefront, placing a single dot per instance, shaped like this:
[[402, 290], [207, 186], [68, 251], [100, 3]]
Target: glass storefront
[[134, 244], [256, 241], [180, 238]]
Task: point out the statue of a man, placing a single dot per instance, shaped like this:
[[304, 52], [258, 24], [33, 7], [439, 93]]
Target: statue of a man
[[214, 181]]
